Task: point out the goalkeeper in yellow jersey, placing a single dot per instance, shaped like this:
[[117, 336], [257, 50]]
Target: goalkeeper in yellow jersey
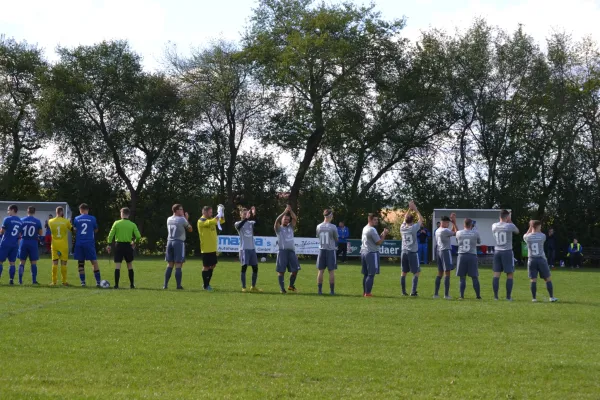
[[59, 229], [207, 228]]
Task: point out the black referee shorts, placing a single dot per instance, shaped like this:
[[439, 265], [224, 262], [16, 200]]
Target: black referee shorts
[[123, 250]]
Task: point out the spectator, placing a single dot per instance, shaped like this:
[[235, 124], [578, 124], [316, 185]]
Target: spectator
[[575, 254], [423, 238], [343, 235], [551, 247]]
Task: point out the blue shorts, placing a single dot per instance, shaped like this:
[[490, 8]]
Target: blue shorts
[[467, 265], [287, 260], [85, 252], [248, 257], [504, 261], [370, 263], [9, 253], [538, 265], [327, 259], [29, 249], [410, 262], [175, 252], [444, 261]]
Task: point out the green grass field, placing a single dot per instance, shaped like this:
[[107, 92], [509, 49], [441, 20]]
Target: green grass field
[[63, 343]]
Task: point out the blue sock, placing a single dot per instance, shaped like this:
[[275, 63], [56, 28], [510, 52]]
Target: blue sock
[[320, 286], [293, 279], [364, 284], [1, 269], [415, 283], [447, 285], [254, 276], [332, 287], [496, 286], [34, 273], [550, 288], [509, 288], [476, 286], [438, 282], [11, 272], [82, 278], [534, 289], [97, 276], [369, 283], [178, 276], [281, 282], [463, 285], [243, 278], [403, 284], [168, 273], [21, 271]]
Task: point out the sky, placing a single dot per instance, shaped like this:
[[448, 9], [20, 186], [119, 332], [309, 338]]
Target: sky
[[150, 25]]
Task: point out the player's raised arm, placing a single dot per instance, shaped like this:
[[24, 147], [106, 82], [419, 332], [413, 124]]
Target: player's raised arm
[[380, 238], [453, 220], [413, 207], [292, 215], [187, 219], [277, 224]]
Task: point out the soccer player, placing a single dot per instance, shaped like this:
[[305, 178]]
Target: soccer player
[[504, 260], [328, 235], [467, 240], [286, 257], [369, 253], [410, 249], [444, 255], [537, 263], [125, 233], [28, 248], [59, 229], [207, 229], [9, 245], [177, 225], [248, 256], [85, 227]]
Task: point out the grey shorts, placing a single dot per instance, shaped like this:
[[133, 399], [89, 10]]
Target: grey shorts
[[327, 259], [467, 265], [444, 261], [175, 251], [410, 262], [538, 265], [370, 263], [504, 261], [287, 261], [248, 257]]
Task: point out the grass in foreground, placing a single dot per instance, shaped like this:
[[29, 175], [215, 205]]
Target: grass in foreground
[[148, 343]]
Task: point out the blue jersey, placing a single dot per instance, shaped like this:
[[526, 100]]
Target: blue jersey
[[12, 229], [85, 226], [31, 228]]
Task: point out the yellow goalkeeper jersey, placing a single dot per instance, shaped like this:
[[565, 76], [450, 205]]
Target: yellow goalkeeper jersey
[[207, 229]]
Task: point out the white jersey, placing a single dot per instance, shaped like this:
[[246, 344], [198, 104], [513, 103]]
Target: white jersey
[[503, 232]]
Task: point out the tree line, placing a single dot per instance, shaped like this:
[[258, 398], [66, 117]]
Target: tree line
[[317, 105]]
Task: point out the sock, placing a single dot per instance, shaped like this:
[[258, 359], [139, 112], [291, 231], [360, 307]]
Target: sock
[[509, 288], [364, 284], [1, 269], [243, 276], [205, 279], [293, 279], [54, 273], [403, 283], [332, 287], [82, 278], [117, 277], [463, 286], [21, 272], [97, 276], [415, 283], [254, 275], [496, 286], [178, 276], [476, 286], [63, 273], [210, 274], [550, 288], [438, 281], [533, 289], [34, 273], [369, 283], [320, 286], [130, 271], [11, 272], [447, 286], [281, 282], [81, 267], [168, 273]]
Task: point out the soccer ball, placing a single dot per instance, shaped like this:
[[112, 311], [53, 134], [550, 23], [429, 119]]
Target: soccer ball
[[263, 259], [105, 284]]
